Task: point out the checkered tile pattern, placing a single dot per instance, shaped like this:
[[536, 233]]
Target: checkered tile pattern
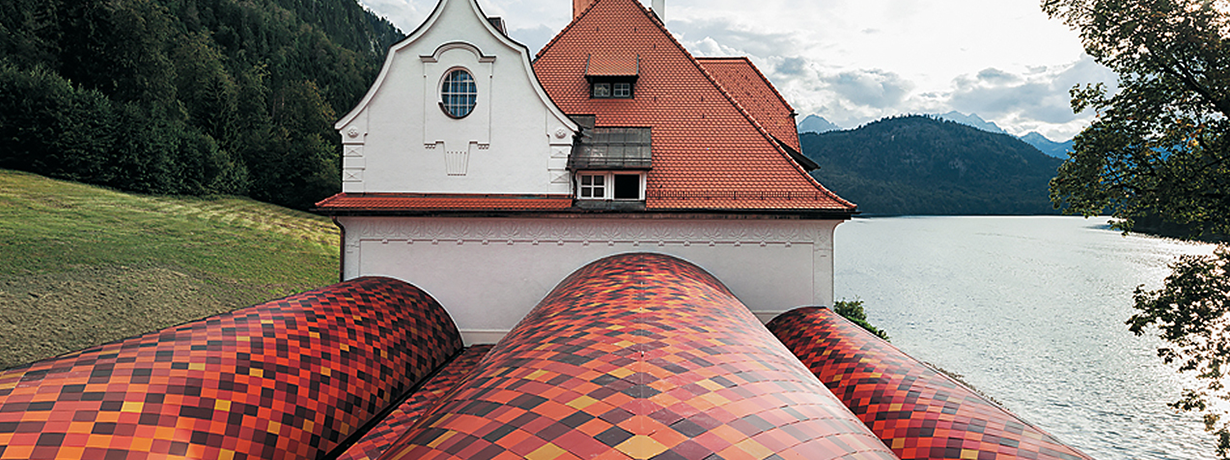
[[384, 434], [639, 356], [915, 410], [292, 378]]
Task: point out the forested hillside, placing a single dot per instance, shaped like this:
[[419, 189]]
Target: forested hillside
[[189, 97], [919, 165]]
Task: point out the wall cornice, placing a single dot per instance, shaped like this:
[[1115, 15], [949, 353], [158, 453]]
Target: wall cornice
[[586, 232]]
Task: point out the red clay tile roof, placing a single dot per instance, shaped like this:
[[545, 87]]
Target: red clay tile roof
[[612, 66], [744, 82], [708, 153], [442, 202]]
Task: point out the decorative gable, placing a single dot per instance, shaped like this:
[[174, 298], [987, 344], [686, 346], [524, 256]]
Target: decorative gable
[[457, 110]]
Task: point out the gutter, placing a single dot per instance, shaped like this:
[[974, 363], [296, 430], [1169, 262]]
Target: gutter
[[341, 259]]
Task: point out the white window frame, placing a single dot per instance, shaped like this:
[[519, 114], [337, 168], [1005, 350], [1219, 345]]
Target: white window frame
[[621, 90], [469, 100], [593, 185], [602, 90], [608, 185]]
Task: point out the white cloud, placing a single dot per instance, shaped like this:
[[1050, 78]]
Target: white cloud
[[854, 61], [1035, 100]]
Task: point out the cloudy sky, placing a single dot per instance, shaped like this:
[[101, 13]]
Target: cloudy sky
[[855, 61]]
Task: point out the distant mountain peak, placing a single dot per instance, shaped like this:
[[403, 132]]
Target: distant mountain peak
[[1047, 146], [816, 124], [971, 120]]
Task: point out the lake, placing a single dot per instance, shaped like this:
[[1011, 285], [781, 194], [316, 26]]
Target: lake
[[1031, 311]]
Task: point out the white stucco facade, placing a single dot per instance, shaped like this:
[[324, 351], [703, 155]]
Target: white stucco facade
[[399, 138], [489, 272], [482, 248]]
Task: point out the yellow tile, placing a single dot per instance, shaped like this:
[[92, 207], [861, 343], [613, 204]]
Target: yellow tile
[[441, 439], [132, 406], [969, 454], [641, 447], [754, 448], [196, 366], [710, 385], [549, 451], [581, 402], [621, 372], [223, 405], [534, 375]]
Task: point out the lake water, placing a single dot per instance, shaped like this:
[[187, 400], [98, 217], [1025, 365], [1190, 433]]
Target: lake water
[[1031, 311]]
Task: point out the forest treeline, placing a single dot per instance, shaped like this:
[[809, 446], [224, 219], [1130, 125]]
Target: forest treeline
[[919, 165], [189, 97]]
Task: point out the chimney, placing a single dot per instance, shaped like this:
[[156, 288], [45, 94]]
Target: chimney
[[659, 9], [579, 6]]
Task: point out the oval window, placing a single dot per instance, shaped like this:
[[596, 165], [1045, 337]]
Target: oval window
[[458, 94]]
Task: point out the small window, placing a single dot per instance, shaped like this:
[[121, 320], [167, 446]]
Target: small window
[[593, 186], [622, 90], [627, 186], [458, 94], [602, 90], [610, 186]]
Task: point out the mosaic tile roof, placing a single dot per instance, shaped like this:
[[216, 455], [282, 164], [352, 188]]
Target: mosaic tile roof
[[751, 90], [391, 202], [633, 356], [376, 441], [709, 153], [915, 410], [291, 378], [639, 356]]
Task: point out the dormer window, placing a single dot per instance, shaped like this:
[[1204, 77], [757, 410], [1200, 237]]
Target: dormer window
[[607, 89], [612, 76], [602, 89], [611, 163], [621, 90], [611, 185]]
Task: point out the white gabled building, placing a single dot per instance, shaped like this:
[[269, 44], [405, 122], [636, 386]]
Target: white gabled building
[[485, 179], [456, 110]]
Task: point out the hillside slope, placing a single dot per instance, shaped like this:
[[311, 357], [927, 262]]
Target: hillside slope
[[186, 97], [85, 265], [918, 165]]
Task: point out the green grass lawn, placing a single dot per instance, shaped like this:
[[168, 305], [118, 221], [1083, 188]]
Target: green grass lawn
[[82, 265]]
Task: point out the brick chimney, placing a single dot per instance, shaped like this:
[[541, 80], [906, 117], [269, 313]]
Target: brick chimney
[[579, 6]]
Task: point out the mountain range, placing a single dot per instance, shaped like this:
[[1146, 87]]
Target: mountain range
[[819, 125], [1042, 143], [922, 165]]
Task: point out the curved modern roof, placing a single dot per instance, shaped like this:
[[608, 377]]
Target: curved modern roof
[[291, 378], [633, 356], [639, 356], [917, 411]]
